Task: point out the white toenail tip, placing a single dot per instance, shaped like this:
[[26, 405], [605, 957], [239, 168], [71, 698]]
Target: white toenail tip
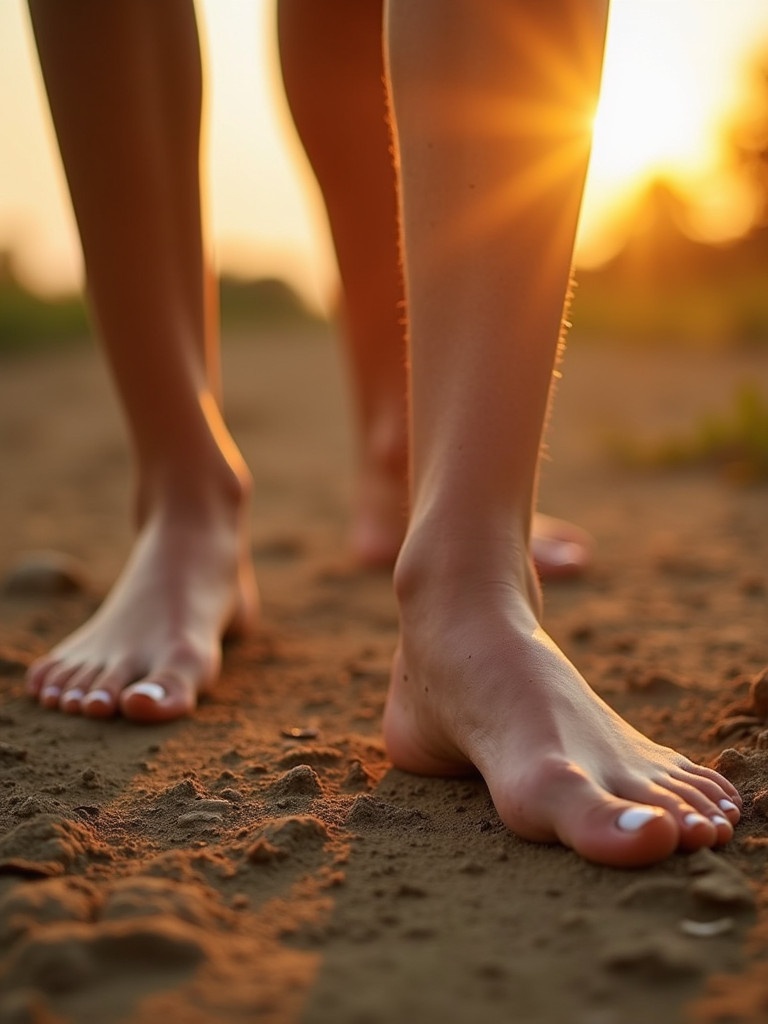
[[71, 695], [154, 691], [692, 820], [635, 817], [718, 819], [97, 697], [727, 805], [51, 693], [565, 554]]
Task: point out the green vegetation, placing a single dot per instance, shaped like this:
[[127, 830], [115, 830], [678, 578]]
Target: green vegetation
[[735, 444], [29, 322], [264, 302]]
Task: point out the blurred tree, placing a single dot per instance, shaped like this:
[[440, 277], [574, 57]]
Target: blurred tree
[[748, 139]]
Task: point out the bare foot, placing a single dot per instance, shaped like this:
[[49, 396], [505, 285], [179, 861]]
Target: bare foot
[[477, 683], [560, 549], [155, 643]]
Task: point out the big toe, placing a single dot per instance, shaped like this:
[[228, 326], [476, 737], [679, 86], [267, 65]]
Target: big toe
[[161, 698], [622, 834], [600, 826]]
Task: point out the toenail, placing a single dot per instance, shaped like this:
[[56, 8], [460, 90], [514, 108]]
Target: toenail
[[692, 820], [154, 691], [634, 818], [50, 693], [565, 553], [727, 805], [718, 819], [72, 695], [97, 697]]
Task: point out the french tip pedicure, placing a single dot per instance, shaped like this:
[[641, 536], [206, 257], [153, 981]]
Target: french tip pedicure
[[97, 697], [633, 818], [71, 695], [154, 691], [728, 805], [692, 820], [718, 819]]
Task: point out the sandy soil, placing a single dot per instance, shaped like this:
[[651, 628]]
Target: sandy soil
[[263, 861]]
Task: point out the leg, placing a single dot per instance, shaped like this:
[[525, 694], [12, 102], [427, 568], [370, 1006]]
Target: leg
[[130, 144], [333, 70], [492, 102]]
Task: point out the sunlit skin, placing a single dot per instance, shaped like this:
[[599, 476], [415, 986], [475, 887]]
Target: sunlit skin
[[476, 682]]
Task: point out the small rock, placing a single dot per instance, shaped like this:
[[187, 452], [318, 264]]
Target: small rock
[[707, 929], [213, 804], [45, 574], [199, 818], [299, 732]]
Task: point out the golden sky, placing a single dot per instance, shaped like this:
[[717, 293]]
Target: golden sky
[[674, 69]]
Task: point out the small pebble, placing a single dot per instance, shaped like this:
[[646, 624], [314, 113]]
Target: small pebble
[[298, 732]]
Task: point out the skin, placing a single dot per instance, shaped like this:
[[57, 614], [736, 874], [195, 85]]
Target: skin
[[332, 60], [476, 682], [189, 577]]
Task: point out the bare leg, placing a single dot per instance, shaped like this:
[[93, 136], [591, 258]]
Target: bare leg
[[130, 143], [333, 70], [492, 100]]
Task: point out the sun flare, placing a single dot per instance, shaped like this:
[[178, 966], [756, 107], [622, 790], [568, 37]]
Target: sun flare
[[668, 89]]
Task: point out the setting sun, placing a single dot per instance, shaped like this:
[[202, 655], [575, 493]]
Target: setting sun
[[674, 75]]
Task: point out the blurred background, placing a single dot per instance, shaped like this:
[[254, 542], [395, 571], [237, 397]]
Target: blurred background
[[673, 243]]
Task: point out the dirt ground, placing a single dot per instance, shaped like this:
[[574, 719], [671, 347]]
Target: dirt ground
[[263, 861]]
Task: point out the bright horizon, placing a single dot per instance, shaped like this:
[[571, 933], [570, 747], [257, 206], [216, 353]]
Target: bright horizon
[[674, 71]]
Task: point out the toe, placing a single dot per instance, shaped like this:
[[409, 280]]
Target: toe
[[706, 796], [621, 833], [37, 674], [601, 827], [103, 692], [560, 550], [691, 810], [159, 698], [71, 699], [726, 789], [56, 683]]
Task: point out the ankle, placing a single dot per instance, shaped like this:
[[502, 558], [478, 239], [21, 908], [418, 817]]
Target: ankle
[[445, 564], [212, 486]]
